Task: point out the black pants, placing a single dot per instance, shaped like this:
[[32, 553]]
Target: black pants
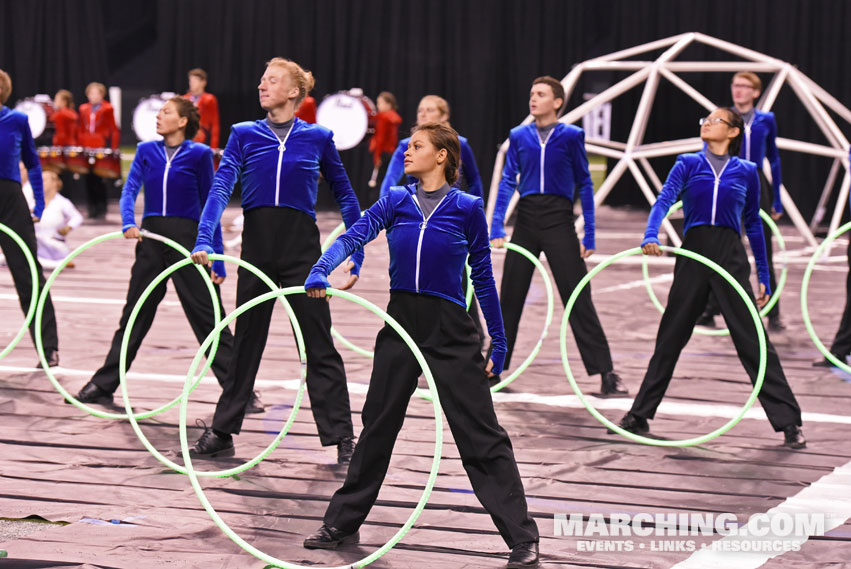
[[687, 299], [284, 243], [446, 335], [766, 202], [15, 214], [152, 258], [842, 341], [96, 195], [545, 223]]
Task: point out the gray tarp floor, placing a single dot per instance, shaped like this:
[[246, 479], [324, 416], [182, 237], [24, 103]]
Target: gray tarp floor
[[123, 509]]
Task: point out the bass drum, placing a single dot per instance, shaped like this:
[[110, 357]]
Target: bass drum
[[347, 116], [145, 116], [37, 110]]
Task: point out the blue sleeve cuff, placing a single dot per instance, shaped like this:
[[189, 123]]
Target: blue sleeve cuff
[[357, 259], [127, 226], [648, 240], [206, 248], [316, 280], [219, 268], [498, 359]]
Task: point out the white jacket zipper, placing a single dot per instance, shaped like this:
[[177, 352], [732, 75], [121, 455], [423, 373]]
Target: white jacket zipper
[[165, 174], [423, 225], [717, 182], [543, 144], [282, 146], [748, 137]]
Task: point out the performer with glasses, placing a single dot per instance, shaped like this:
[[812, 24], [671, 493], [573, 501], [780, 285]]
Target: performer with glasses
[[716, 188]]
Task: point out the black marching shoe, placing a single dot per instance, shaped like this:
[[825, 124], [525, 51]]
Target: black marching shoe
[[793, 437], [345, 448], [254, 404], [634, 424], [611, 384], [775, 324], [824, 362], [328, 537], [91, 393], [52, 358], [523, 555], [706, 319], [211, 444]]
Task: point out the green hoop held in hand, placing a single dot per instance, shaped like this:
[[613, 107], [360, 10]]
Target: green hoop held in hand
[[805, 309], [547, 321], [33, 295], [438, 441], [760, 376], [345, 341], [775, 294], [212, 338], [122, 371]]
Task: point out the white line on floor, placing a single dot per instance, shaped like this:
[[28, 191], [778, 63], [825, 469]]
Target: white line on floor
[[830, 496], [565, 401]]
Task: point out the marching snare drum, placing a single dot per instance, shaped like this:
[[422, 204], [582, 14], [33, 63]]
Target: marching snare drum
[[75, 159], [105, 162]]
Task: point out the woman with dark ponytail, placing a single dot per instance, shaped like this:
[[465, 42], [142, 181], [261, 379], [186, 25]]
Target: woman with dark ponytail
[[431, 229], [717, 189], [177, 174]]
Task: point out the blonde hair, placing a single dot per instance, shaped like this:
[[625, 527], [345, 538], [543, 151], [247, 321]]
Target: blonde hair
[[302, 78], [5, 87], [751, 78], [95, 85], [439, 102]]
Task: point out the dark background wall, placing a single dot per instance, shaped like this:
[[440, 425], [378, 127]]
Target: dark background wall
[[480, 55]]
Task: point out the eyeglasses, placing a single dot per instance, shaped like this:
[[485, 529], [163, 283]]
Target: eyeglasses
[[713, 121], [742, 86]]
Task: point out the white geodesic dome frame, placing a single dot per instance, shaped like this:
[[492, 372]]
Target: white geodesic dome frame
[[633, 154]]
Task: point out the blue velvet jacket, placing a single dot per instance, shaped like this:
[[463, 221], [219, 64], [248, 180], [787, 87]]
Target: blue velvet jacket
[[427, 256], [173, 188], [718, 201], [278, 173], [17, 144], [760, 140], [468, 170], [557, 166]]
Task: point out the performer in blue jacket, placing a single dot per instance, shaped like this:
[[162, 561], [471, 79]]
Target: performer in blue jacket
[[16, 144], [550, 158], [278, 161], [716, 188], [436, 109], [176, 173], [759, 142], [431, 229], [433, 108]]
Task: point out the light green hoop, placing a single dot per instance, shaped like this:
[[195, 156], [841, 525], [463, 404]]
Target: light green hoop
[[122, 371], [345, 341], [438, 442], [547, 321], [775, 294], [760, 376], [805, 309], [33, 295], [213, 337]]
